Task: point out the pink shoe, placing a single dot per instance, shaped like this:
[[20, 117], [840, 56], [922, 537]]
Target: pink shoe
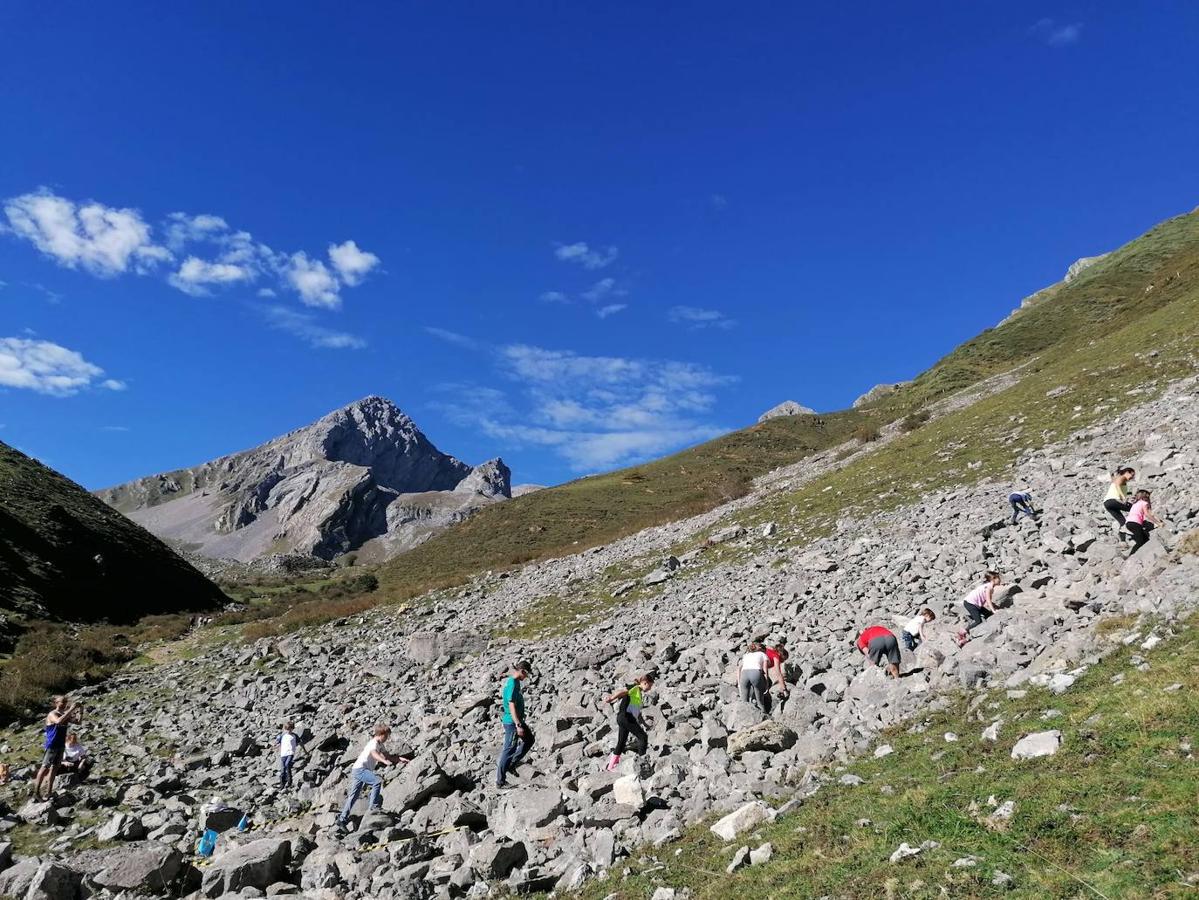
[[963, 637], [613, 762]]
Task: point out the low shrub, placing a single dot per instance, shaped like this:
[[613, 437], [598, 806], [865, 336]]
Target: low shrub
[[914, 420], [867, 434]]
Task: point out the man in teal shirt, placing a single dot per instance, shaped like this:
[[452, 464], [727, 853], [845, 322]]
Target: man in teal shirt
[[518, 737]]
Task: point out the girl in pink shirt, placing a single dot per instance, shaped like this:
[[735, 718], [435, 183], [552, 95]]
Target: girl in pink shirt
[[979, 604], [1141, 520]]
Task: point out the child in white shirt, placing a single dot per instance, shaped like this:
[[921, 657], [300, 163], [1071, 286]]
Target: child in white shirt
[[913, 632]]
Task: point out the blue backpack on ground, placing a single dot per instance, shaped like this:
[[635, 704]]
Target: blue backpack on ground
[[244, 824], [207, 843]]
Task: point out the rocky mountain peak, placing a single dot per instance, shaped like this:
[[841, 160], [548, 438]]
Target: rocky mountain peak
[[786, 408], [322, 489]]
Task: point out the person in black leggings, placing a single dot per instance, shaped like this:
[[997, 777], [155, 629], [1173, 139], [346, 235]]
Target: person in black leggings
[[628, 717], [1141, 521], [1116, 502]]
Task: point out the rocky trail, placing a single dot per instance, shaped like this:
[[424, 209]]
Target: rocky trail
[[188, 743]]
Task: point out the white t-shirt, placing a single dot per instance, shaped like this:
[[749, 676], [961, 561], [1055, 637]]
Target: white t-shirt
[[74, 752], [365, 760], [754, 660], [288, 743], [915, 627]]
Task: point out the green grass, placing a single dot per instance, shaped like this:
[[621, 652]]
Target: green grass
[[599, 509], [1084, 335], [1113, 814]]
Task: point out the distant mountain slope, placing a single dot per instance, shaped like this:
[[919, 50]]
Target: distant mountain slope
[[1157, 270], [65, 555], [363, 473]]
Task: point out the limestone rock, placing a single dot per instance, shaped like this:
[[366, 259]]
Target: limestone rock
[[1041, 743], [786, 408]]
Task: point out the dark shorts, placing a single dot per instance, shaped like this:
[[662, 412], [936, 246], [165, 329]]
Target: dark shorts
[[883, 645], [52, 757]]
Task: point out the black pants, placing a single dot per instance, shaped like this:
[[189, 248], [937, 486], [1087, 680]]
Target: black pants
[[626, 725], [1140, 534], [1117, 509], [977, 614]]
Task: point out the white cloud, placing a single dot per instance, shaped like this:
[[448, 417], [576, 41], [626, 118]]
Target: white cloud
[[718, 202], [602, 289], [196, 274], [554, 297], [594, 411], [107, 241], [313, 281], [48, 368], [611, 309], [113, 384], [351, 263], [182, 228], [114, 428], [586, 257], [1056, 34], [305, 326], [451, 337], [102, 240], [698, 317]]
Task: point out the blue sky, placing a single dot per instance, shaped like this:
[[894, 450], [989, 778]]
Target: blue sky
[[574, 235]]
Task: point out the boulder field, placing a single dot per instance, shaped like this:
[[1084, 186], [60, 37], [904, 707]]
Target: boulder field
[[189, 744]]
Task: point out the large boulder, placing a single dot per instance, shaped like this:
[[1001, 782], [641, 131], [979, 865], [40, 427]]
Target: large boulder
[[142, 867], [496, 857], [786, 408], [742, 819], [770, 735], [421, 780], [528, 813], [1033, 746], [53, 881], [258, 864]]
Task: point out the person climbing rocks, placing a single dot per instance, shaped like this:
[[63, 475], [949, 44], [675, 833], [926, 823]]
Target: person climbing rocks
[[1021, 502], [875, 643], [632, 700], [1141, 520], [776, 656], [289, 745], [363, 774], [751, 676], [979, 604], [58, 722], [1116, 500], [518, 736], [913, 632], [75, 758]]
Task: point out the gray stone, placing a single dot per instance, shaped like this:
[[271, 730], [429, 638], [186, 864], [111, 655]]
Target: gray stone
[[1041, 743], [742, 819]]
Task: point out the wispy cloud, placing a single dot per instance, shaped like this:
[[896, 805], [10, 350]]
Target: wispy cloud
[[306, 327], [611, 309], [603, 289], [49, 368], [115, 428], [1056, 34], [698, 317], [553, 297], [595, 412], [718, 202], [452, 337], [582, 254], [197, 253]]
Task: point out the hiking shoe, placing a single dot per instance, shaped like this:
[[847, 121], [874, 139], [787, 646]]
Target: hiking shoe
[[613, 762]]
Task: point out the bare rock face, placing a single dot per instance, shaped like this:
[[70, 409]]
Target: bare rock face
[[879, 390], [786, 408], [361, 473]]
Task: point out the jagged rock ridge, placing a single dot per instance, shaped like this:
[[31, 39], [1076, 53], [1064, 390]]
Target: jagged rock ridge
[[361, 474], [786, 408]]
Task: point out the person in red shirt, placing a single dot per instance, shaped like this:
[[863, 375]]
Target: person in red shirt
[[775, 657], [875, 643]]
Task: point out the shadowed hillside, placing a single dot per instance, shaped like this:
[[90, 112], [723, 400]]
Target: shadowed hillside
[[65, 555]]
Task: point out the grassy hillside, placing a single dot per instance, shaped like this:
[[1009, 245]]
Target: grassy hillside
[[599, 509], [65, 555], [1117, 818], [1084, 335]]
